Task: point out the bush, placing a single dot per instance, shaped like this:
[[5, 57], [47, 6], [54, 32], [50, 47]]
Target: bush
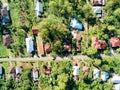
[[61, 76], [97, 62], [105, 67], [4, 52], [118, 50], [92, 51]]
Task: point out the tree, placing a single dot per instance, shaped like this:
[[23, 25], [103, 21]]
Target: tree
[[91, 51], [52, 30], [62, 83], [111, 17], [18, 45], [4, 52]]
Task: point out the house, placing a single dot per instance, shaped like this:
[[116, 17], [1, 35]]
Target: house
[[6, 39], [98, 44], [5, 14], [76, 24], [29, 44], [78, 38], [38, 8], [47, 47], [115, 42], [117, 87], [98, 2], [98, 11]]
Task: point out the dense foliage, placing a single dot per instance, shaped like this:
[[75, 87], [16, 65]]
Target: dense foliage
[[54, 28], [54, 23], [61, 75]]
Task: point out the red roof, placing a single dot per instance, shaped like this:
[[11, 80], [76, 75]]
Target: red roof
[[99, 44], [40, 46], [115, 42], [78, 46], [94, 39]]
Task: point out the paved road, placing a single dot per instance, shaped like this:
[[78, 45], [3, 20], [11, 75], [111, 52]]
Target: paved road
[[82, 57], [44, 58]]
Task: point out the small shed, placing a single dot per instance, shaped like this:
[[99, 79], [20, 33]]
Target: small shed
[[18, 70], [115, 79], [98, 11], [96, 73], [47, 47], [40, 46], [1, 71], [67, 47], [35, 30], [98, 2], [35, 74], [78, 46], [104, 76]]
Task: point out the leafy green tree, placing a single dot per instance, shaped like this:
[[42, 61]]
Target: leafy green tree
[[91, 51], [26, 82], [15, 13], [4, 52], [62, 83], [111, 17], [18, 45], [60, 8], [54, 31], [10, 84]]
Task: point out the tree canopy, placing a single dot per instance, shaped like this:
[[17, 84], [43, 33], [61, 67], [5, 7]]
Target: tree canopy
[[55, 20]]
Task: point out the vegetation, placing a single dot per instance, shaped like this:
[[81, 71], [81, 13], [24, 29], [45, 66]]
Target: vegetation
[[54, 23], [54, 28], [61, 75]]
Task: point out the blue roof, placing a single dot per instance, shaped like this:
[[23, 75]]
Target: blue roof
[[76, 24], [1, 72]]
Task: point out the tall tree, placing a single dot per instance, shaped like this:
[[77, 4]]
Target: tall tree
[[54, 31]]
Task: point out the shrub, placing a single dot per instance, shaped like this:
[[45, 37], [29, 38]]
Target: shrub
[[4, 52], [97, 62], [91, 51]]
